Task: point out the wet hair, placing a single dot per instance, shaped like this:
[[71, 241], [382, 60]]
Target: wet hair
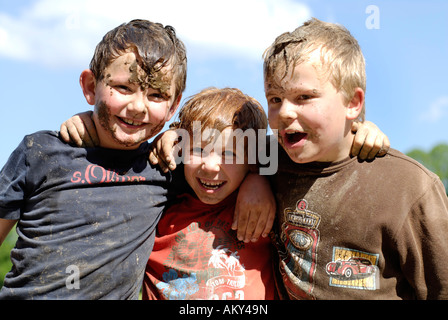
[[159, 53], [342, 61]]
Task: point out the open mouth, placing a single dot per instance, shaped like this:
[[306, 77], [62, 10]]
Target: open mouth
[[292, 138], [131, 122], [211, 185]]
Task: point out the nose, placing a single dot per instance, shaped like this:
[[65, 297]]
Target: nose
[[211, 162], [138, 104], [288, 110]]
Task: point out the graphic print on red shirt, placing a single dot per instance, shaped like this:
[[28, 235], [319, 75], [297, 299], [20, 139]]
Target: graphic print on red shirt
[[196, 255]]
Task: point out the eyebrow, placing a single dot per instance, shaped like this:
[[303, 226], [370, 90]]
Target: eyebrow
[[301, 89]]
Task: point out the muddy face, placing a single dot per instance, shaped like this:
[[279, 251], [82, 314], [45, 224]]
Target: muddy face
[[128, 110], [154, 79]]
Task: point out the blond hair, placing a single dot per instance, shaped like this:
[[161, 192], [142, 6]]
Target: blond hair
[[341, 56]]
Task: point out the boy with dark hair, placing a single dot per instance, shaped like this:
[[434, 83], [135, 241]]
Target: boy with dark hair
[[75, 240]]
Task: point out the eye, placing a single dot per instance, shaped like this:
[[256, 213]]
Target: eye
[[305, 97], [123, 89], [275, 100], [156, 96]]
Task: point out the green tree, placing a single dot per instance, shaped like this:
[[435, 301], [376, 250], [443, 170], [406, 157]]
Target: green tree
[[435, 160]]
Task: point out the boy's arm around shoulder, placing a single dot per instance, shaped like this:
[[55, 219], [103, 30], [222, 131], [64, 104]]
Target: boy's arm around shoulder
[[369, 141], [255, 208], [80, 130], [163, 149]]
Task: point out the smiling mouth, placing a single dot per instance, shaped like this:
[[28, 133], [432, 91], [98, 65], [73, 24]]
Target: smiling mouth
[[131, 122], [211, 185]]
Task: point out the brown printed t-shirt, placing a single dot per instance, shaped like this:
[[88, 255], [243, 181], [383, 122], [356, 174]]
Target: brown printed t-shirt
[[362, 230]]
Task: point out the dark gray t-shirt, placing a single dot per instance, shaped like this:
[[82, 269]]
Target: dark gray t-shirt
[[86, 219]]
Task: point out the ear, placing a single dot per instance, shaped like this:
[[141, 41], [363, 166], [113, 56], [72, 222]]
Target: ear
[[354, 107], [87, 81], [174, 107]]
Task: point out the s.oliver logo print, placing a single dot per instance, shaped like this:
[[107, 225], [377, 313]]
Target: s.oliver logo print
[[95, 174]]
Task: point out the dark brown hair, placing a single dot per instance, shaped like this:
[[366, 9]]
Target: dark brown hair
[[158, 49]]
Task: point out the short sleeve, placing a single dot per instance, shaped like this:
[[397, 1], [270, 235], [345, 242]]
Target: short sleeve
[[13, 183]]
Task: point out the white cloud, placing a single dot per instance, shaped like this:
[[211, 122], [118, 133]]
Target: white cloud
[[437, 110], [62, 33]]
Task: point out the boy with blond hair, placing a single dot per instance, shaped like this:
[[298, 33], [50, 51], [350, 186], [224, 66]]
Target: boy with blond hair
[[196, 253], [346, 229]]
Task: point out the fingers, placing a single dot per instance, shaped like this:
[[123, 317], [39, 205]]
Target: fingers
[[257, 227], [254, 223], [155, 159], [375, 147], [63, 131], [162, 150], [386, 146], [255, 208], [369, 142], [80, 130], [235, 220], [269, 223], [73, 132], [246, 225], [167, 152], [370, 146], [358, 140]]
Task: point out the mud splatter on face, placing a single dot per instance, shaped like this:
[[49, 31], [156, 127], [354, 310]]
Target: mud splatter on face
[[136, 76], [106, 121], [104, 117], [154, 79]]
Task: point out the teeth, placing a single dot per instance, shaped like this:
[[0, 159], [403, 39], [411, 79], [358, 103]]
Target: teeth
[[211, 184], [132, 122]]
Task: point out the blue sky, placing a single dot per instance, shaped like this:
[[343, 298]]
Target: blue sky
[[45, 44]]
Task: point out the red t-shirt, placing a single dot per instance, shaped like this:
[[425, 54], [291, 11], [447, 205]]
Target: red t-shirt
[[196, 255]]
